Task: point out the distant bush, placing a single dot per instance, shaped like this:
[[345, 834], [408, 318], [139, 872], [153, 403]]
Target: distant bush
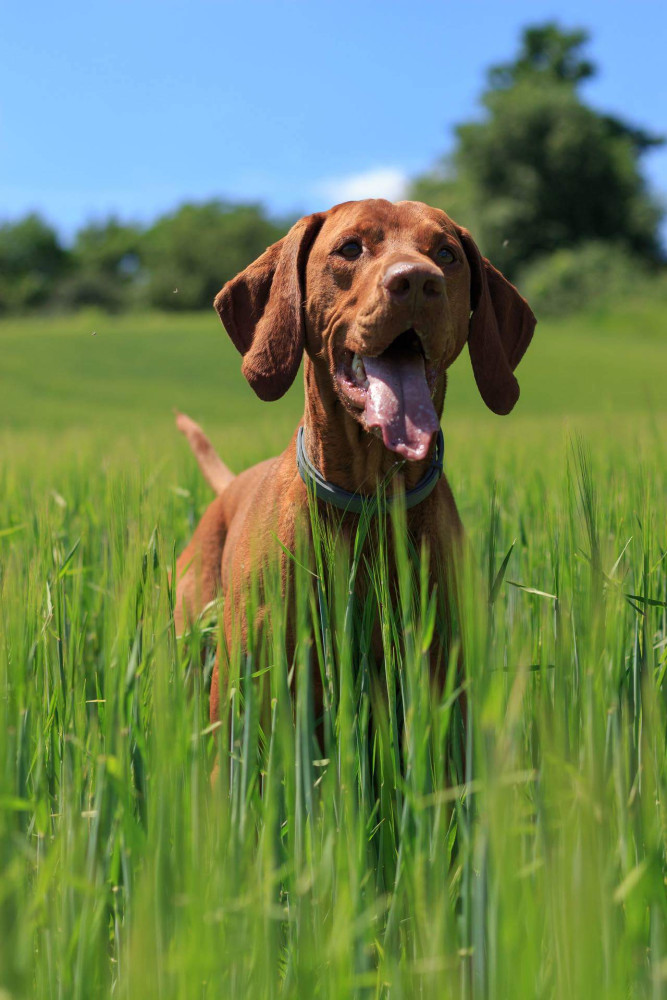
[[32, 262], [84, 288], [189, 255], [105, 269], [579, 277]]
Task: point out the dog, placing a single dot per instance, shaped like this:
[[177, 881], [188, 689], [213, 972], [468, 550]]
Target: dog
[[378, 299]]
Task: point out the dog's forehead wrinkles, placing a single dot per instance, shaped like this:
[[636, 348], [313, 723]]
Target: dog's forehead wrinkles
[[377, 222], [355, 219], [368, 231]]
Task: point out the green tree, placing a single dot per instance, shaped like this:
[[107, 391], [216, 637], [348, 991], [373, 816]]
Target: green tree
[[32, 261], [106, 267], [191, 253], [548, 51], [542, 170]]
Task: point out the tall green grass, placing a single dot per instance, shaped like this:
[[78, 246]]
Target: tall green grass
[[355, 855]]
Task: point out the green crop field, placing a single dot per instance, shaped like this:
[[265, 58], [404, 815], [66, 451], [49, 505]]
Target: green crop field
[[367, 866]]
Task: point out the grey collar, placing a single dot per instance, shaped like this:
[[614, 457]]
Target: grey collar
[[355, 503]]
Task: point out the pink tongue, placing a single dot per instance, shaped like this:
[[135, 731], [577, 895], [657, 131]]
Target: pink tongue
[[399, 402]]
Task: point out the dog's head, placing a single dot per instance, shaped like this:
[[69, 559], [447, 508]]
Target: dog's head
[[382, 297]]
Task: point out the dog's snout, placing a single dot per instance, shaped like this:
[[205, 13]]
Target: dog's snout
[[405, 279]]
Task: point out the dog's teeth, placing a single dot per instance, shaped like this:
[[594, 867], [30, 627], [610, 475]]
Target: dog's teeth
[[359, 371]]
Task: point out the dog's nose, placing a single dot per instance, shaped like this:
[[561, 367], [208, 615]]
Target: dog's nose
[[405, 279]]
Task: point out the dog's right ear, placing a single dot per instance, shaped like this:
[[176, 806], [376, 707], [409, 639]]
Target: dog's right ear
[[262, 310], [501, 328]]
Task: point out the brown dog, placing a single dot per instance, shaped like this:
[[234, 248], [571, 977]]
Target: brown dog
[[378, 299]]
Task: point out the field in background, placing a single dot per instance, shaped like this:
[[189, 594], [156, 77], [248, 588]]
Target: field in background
[[359, 873], [105, 387], [123, 374]]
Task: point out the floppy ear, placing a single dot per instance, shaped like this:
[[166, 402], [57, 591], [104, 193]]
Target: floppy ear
[[501, 328], [261, 310]]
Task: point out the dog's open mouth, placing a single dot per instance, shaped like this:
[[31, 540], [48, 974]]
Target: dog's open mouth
[[394, 394]]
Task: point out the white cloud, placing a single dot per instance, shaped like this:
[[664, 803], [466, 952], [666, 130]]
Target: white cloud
[[380, 182]]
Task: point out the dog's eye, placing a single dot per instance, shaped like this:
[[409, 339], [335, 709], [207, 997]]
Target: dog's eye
[[350, 250], [445, 256]]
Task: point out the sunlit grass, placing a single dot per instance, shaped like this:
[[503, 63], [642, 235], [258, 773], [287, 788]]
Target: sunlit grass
[[354, 855], [540, 871]]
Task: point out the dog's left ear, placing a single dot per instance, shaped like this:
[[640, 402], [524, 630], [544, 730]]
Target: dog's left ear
[[261, 310], [501, 328]]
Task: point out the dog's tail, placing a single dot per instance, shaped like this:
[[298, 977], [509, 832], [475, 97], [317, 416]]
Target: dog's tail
[[216, 473]]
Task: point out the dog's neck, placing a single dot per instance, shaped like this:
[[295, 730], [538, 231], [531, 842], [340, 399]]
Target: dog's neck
[[342, 451]]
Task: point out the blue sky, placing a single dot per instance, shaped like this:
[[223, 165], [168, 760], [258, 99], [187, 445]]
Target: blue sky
[[133, 106]]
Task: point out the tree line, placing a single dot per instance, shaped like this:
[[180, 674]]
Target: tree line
[[552, 188], [179, 262]]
